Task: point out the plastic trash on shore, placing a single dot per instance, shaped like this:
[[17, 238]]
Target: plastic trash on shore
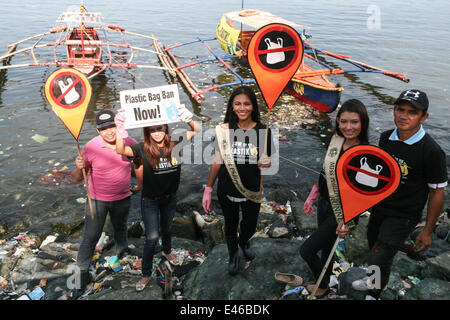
[[36, 294], [101, 242], [114, 264], [47, 240]]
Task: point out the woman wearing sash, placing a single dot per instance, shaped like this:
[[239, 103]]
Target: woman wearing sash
[[240, 154], [351, 128]]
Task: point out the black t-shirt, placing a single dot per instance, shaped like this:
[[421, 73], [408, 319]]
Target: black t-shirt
[[246, 146], [166, 178], [421, 163]]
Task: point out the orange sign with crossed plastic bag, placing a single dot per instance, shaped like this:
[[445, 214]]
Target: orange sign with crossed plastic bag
[[275, 53], [366, 175], [68, 91]]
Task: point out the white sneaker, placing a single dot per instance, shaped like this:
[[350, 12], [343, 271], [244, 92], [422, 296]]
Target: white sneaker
[[361, 284], [368, 297]]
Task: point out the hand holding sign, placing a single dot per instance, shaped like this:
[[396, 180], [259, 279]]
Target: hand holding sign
[[184, 114], [119, 120]]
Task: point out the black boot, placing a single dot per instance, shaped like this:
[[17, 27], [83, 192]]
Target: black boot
[[233, 264], [233, 251], [85, 279], [249, 254]]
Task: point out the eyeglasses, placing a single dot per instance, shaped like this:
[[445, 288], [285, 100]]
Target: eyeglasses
[[156, 129]]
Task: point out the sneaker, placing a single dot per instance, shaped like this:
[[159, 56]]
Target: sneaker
[[249, 254], [369, 297], [361, 284], [233, 264]]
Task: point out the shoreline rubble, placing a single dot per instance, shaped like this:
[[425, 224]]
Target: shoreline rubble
[[41, 266]]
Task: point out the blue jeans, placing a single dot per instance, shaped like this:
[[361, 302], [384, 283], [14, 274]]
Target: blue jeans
[[118, 212], [157, 215]]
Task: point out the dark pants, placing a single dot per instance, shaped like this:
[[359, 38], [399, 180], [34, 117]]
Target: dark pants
[[250, 212], [118, 212], [157, 215], [386, 235], [322, 239]]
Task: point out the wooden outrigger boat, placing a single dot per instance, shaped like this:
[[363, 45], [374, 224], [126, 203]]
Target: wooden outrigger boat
[[79, 45], [309, 84]]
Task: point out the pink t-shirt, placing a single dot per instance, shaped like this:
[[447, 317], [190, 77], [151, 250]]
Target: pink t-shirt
[[109, 178]]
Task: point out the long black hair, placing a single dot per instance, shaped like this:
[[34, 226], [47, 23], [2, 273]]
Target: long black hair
[[354, 105], [230, 116]]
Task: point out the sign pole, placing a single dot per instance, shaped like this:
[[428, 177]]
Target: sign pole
[[86, 183], [316, 286], [265, 145]]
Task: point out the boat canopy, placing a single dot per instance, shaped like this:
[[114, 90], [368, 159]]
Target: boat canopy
[[80, 17], [257, 18]]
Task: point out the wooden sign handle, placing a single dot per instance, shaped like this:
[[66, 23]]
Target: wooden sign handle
[[313, 293], [86, 183], [265, 146]]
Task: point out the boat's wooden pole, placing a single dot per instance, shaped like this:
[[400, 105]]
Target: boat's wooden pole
[[29, 38], [13, 52], [190, 86], [163, 58], [134, 34]]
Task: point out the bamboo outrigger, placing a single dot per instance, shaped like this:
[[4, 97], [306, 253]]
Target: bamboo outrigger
[[78, 36]]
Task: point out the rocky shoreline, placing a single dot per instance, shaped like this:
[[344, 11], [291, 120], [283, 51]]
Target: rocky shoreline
[[42, 266]]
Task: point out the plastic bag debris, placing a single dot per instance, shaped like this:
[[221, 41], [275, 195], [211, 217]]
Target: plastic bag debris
[[48, 240], [296, 290], [36, 294], [102, 241], [39, 138]]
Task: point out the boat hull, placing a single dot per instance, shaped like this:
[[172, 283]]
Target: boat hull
[[324, 100]]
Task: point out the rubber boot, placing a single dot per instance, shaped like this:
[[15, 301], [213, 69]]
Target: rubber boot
[[233, 251], [249, 254], [233, 264]]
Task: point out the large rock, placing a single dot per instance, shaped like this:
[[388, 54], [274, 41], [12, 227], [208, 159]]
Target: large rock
[[212, 233], [429, 289], [125, 289], [438, 267], [191, 202], [357, 248], [184, 227], [443, 231], [305, 224], [406, 266], [212, 281]]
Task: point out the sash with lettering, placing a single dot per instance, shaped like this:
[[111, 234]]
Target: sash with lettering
[[223, 138], [330, 162]]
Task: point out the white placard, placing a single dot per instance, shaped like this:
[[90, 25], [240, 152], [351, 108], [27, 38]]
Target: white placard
[[150, 106]]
